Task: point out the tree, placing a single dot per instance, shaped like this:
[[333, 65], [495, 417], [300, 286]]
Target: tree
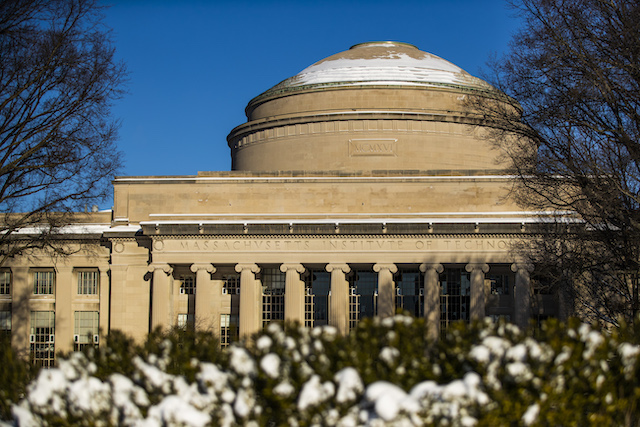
[[570, 130], [58, 79]]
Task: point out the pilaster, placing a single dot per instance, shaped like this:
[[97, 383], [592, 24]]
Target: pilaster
[[339, 305], [64, 313], [477, 270], [294, 303], [432, 298], [105, 286], [21, 291], [386, 289], [250, 299]]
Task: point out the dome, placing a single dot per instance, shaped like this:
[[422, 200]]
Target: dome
[[379, 106], [382, 63]]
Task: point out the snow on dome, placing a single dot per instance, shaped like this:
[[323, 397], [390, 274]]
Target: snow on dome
[[382, 63]]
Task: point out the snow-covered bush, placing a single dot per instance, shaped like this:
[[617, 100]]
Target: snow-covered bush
[[384, 373]]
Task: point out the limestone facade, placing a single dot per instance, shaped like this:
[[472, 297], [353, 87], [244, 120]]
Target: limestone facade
[[363, 186]]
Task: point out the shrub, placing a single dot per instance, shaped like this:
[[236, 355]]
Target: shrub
[[383, 372]]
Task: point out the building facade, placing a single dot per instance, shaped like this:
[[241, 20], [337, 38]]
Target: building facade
[[362, 186]]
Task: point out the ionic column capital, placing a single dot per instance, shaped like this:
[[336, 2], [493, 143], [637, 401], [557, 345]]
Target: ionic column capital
[[344, 267], [433, 266], [251, 267], [521, 267], [209, 268], [391, 267], [292, 266], [474, 266], [160, 266]]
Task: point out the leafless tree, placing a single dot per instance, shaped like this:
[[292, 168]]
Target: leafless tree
[[58, 79], [570, 131]]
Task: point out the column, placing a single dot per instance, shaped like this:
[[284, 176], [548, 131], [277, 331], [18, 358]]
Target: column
[[477, 271], [432, 298], [522, 292], [339, 306], [294, 296], [105, 286], [205, 317], [250, 300], [64, 312], [386, 289], [161, 296]]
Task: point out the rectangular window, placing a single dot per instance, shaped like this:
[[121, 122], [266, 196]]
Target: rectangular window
[[273, 284], [228, 329], [364, 284], [88, 282], [187, 285], [43, 282], [5, 323], [86, 328], [231, 284], [410, 291], [42, 338], [318, 290], [5, 282], [499, 283], [455, 296], [185, 321]]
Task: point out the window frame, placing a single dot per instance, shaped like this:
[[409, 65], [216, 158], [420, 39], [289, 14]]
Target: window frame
[[84, 286], [38, 287], [5, 286]]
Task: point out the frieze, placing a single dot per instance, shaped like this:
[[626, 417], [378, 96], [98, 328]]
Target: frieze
[[329, 245]]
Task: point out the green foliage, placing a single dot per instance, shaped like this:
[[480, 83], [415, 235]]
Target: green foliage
[[179, 348], [490, 374], [15, 374]]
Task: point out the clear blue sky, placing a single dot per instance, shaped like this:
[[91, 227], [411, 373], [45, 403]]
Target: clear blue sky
[[194, 65]]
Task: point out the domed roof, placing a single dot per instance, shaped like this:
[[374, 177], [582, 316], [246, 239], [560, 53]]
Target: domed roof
[[381, 63]]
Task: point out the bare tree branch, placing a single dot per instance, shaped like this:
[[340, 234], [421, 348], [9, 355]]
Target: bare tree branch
[[58, 79], [571, 135]]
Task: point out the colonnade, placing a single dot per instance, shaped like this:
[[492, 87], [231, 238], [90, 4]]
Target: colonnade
[[250, 308]]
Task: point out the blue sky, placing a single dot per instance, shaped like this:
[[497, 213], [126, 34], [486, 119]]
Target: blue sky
[[194, 65]]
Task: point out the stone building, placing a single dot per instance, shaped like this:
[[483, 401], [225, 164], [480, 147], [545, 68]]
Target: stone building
[[359, 187]]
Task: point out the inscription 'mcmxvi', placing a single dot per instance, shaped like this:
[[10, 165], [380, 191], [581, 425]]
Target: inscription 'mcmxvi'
[[365, 147]]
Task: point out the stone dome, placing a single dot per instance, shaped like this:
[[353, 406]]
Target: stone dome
[[390, 63], [377, 106]]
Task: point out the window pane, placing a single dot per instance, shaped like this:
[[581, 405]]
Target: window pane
[[42, 344], [87, 282], [43, 282], [5, 282]]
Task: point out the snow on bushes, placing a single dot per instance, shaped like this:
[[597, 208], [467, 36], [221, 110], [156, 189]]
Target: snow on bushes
[[384, 373]]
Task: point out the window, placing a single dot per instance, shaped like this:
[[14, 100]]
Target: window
[[185, 321], [5, 282], [42, 347], [231, 285], [499, 284], [5, 323], [455, 296], [410, 291], [363, 291], [228, 329], [88, 282], [43, 282], [187, 285], [318, 289], [85, 329], [273, 282]]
